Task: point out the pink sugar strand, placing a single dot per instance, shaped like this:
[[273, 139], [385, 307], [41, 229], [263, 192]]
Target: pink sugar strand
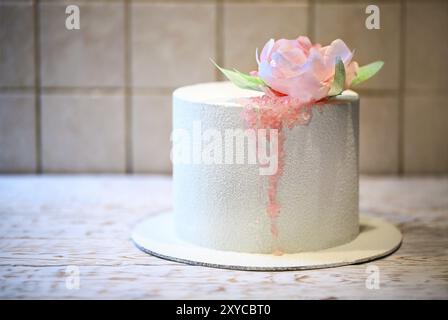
[[274, 112]]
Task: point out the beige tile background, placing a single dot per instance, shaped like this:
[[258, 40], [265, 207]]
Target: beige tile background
[[92, 56], [17, 52], [240, 36], [162, 33], [83, 133], [98, 99], [17, 132]]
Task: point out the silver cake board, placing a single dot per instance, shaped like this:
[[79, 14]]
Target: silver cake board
[[377, 238]]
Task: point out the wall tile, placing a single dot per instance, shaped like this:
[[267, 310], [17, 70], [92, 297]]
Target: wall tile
[[90, 56], [151, 129], [249, 26], [83, 133], [16, 45], [426, 45], [172, 43], [347, 22], [426, 134], [17, 133], [379, 135]]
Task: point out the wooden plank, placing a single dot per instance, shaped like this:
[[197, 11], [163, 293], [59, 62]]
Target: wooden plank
[[49, 223]]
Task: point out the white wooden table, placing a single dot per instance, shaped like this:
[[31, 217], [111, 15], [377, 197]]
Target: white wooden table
[[52, 227]]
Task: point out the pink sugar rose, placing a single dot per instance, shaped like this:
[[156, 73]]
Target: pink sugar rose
[[302, 70]]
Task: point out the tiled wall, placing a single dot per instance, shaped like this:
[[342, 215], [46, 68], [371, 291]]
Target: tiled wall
[[98, 99]]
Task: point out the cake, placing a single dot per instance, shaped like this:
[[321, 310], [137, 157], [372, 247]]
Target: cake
[[222, 206], [265, 167], [300, 122]]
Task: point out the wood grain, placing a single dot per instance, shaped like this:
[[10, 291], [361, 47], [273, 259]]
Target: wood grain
[[50, 222]]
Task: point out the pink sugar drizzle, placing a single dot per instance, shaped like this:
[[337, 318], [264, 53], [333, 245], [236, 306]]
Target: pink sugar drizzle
[[271, 111]]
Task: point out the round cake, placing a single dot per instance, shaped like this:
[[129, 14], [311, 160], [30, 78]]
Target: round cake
[[222, 204]]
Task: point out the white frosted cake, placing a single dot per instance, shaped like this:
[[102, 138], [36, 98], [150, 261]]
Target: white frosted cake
[[265, 167], [223, 206]]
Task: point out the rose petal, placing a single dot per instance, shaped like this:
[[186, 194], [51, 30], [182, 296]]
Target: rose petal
[[302, 70], [350, 73], [316, 65], [305, 43], [337, 49], [295, 56], [265, 53], [307, 88]]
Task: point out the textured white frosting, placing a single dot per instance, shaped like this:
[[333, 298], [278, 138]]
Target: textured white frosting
[[224, 206]]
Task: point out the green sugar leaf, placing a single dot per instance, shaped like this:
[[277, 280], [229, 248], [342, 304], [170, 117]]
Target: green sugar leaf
[[367, 71], [339, 78], [242, 80]]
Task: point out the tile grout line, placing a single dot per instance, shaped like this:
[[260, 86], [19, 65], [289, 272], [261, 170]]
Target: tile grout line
[[37, 88], [168, 90], [219, 40], [402, 85], [128, 89], [311, 19]]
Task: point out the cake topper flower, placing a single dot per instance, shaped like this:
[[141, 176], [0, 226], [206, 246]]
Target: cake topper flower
[[302, 70]]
